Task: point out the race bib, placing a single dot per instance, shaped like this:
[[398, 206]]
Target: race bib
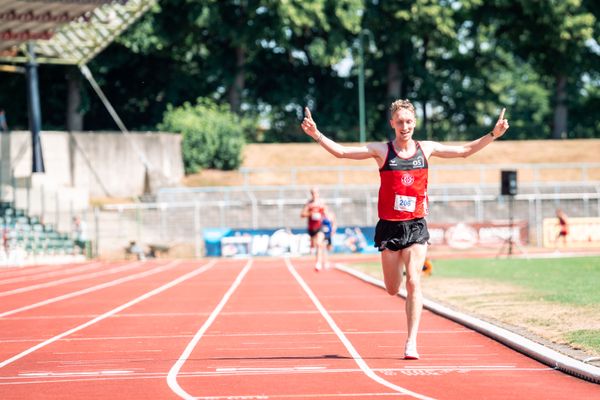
[[316, 216], [405, 203]]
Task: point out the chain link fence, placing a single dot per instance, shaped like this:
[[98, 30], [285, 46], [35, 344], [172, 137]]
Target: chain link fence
[[178, 216]]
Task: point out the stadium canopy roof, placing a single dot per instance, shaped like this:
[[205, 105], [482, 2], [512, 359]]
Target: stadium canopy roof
[[63, 31]]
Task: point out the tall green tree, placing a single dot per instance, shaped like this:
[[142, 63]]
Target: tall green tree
[[420, 56], [553, 36]]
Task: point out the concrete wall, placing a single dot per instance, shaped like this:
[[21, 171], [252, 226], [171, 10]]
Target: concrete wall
[[106, 164]]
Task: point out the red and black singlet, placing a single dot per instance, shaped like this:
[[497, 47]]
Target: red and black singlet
[[316, 212], [564, 228], [403, 187]]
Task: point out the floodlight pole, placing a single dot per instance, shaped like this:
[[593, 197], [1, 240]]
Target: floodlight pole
[[34, 109], [361, 87], [511, 201]]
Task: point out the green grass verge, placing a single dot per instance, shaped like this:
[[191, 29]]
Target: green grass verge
[[564, 280], [569, 281], [589, 338]]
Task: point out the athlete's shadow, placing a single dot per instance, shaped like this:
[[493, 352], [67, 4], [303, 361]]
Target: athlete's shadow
[[315, 357]]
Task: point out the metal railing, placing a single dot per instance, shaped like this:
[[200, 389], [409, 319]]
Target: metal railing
[[443, 174], [182, 215]]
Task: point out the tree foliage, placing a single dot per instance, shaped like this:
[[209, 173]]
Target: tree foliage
[[213, 136], [459, 61]]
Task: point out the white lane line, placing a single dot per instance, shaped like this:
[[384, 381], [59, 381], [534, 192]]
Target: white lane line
[[172, 376], [137, 375], [260, 370], [69, 279], [112, 312], [82, 373], [299, 334], [353, 352], [63, 271], [114, 282], [523, 345], [295, 396], [32, 270]]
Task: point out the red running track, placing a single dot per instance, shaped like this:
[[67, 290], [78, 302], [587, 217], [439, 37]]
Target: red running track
[[241, 329]]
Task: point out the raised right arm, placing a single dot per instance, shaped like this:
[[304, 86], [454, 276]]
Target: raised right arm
[[372, 150]]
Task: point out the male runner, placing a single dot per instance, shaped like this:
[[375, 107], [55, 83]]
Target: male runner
[[314, 210], [401, 233]]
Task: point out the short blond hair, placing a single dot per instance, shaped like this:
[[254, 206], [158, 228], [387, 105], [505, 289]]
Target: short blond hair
[[402, 104]]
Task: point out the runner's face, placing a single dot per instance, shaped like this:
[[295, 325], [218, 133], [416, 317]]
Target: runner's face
[[403, 122]]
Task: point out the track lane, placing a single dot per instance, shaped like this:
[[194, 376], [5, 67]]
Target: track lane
[[39, 291], [58, 270], [129, 353], [269, 341], [8, 272], [452, 356], [71, 312]]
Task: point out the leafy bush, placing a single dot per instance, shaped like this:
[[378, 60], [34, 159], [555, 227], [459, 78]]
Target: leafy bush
[[213, 136]]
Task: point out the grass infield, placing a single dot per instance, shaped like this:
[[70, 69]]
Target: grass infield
[[563, 280], [567, 286]]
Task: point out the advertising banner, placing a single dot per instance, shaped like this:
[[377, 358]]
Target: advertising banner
[[277, 242], [582, 233], [228, 242], [484, 234]]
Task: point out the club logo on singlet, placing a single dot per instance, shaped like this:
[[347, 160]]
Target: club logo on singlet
[[418, 162], [407, 179]]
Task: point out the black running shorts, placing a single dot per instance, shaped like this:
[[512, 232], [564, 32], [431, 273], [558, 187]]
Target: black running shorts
[[312, 233], [398, 235]]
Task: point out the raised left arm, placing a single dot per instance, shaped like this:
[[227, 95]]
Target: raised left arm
[[447, 151]]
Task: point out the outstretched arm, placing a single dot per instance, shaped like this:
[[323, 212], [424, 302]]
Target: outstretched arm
[[447, 151], [305, 211], [352, 152]]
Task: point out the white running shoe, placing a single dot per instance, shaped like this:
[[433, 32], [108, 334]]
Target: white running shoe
[[410, 351], [318, 266]]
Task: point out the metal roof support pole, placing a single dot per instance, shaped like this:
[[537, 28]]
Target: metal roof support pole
[[88, 75], [148, 168], [35, 114]]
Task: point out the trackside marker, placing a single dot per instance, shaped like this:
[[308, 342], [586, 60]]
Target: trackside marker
[[111, 312], [353, 352], [172, 376]]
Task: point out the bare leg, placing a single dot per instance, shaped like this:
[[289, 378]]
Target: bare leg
[[391, 263], [413, 258], [319, 245]]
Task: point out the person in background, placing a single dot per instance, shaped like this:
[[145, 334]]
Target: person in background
[[313, 211], [136, 250], [328, 227], [80, 236], [3, 123], [563, 225]]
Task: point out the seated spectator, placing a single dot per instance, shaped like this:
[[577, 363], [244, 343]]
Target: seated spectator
[[136, 250]]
